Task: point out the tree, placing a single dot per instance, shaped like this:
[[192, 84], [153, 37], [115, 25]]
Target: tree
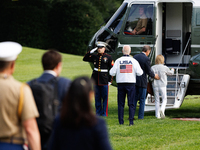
[[106, 7], [72, 24], [67, 25], [24, 21]]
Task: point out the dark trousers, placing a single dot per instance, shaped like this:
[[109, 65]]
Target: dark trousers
[[123, 90], [101, 95], [10, 146], [141, 96]]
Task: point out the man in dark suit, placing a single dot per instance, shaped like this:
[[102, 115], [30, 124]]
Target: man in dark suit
[[52, 66], [141, 81]]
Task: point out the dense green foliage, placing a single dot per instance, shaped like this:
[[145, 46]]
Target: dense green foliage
[[24, 22], [106, 7], [71, 31], [147, 134], [66, 25]]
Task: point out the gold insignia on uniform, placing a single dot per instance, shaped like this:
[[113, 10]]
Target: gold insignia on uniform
[[105, 59]]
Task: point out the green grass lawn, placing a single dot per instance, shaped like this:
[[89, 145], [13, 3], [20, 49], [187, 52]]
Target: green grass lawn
[[150, 133]]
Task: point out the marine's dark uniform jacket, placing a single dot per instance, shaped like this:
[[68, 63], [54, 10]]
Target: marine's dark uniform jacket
[[102, 64]]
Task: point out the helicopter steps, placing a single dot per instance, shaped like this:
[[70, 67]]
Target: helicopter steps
[[176, 89]]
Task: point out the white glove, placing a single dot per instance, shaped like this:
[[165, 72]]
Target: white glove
[[109, 83], [93, 50]]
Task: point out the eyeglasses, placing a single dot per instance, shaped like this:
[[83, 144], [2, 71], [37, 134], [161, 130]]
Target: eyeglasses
[[100, 46]]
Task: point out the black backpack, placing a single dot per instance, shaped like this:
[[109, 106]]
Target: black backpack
[[46, 98]]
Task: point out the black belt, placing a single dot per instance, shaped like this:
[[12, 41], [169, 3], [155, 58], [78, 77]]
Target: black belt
[[14, 140], [126, 84]]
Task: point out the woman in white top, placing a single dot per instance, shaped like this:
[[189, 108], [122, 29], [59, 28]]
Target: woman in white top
[[159, 86]]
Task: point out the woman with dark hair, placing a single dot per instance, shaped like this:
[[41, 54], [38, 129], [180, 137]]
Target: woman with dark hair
[[77, 127]]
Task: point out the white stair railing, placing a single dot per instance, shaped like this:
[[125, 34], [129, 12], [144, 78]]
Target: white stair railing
[[176, 88]]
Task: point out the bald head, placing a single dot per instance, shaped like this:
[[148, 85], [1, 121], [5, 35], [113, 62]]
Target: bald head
[[126, 50]]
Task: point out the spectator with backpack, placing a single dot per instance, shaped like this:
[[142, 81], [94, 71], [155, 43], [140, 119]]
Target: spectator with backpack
[[49, 90]]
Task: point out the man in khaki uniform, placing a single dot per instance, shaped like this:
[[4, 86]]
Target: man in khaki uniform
[[142, 23], [16, 129]]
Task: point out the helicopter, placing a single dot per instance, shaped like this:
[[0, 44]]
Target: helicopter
[[172, 29]]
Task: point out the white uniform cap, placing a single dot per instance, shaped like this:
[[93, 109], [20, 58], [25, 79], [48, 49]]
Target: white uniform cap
[[99, 43], [9, 50]]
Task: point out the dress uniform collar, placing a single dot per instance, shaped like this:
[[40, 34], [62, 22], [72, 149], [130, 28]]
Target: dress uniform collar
[[126, 55]]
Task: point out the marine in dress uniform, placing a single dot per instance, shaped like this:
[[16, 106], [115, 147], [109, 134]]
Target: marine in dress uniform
[[102, 63], [16, 129]]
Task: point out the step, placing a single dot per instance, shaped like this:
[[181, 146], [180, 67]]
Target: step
[[153, 104], [173, 78], [172, 89], [173, 85], [170, 100], [170, 93], [168, 97], [173, 81]]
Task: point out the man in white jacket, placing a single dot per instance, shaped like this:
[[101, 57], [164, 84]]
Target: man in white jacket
[[126, 68]]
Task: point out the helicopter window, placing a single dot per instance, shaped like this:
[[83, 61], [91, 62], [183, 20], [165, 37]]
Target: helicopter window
[[139, 21], [116, 21], [109, 39]]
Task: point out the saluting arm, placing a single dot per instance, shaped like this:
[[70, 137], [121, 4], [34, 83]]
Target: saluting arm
[[88, 55]]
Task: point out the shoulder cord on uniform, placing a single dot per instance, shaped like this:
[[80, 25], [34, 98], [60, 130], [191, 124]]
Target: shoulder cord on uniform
[[21, 100]]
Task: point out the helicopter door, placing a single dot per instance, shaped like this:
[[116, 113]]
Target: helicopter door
[[176, 30]]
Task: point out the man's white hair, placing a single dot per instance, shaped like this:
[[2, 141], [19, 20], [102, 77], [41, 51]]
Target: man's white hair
[[126, 49]]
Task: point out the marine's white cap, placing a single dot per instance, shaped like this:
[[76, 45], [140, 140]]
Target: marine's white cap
[[9, 50], [99, 43]]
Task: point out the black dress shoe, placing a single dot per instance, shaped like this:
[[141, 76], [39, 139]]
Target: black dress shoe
[[133, 118]]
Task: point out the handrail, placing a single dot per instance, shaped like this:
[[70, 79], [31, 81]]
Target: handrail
[[185, 49], [152, 51], [176, 86], [180, 63]]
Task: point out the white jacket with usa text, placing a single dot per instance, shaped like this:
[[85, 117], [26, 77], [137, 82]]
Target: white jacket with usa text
[[125, 69]]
